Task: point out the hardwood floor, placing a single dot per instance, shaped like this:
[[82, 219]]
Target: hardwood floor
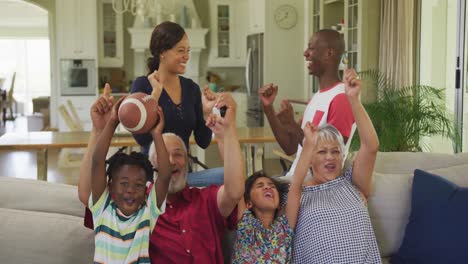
[[22, 164]]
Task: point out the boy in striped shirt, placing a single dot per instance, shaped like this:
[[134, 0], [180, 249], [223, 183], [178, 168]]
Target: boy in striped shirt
[[124, 211]]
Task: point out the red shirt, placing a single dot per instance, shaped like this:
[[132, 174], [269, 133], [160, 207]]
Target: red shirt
[[340, 115], [191, 229]]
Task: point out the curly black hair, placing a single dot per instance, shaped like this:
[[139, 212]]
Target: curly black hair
[[282, 187], [119, 159]]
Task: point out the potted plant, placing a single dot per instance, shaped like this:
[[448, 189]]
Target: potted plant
[[403, 116]]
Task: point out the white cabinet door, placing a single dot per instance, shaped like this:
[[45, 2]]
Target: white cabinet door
[[82, 105], [256, 16], [110, 39], [228, 33], [76, 29], [241, 116]]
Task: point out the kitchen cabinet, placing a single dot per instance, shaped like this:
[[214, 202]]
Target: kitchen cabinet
[[360, 22], [82, 105], [361, 28], [76, 29], [228, 33], [256, 16], [241, 101], [110, 35]]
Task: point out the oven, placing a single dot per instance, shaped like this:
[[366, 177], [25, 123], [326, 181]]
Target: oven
[[78, 77]]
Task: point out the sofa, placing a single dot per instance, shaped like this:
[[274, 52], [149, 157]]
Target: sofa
[[390, 201], [43, 222]]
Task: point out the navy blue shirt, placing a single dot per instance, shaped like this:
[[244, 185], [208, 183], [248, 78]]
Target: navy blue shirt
[[180, 119]]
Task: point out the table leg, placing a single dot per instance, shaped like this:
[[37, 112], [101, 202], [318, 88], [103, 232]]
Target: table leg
[[248, 159], [257, 157], [41, 157]]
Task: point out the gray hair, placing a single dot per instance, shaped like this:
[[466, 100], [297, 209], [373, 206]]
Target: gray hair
[[152, 149], [328, 132]]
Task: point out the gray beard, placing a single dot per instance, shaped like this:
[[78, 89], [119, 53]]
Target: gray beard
[[178, 184]]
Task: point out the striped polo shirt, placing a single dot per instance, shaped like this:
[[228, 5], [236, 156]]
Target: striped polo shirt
[[119, 239]]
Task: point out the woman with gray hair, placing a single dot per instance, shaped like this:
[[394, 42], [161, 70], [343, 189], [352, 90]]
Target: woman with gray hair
[[333, 224]]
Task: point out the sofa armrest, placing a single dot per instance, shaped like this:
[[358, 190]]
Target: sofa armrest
[[34, 195]]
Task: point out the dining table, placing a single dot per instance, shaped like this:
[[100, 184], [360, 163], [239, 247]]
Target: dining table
[[252, 140]]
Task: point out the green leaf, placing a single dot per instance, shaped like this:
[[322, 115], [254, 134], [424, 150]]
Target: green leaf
[[403, 116]]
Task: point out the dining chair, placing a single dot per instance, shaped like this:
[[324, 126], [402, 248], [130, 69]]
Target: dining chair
[[70, 157], [10, 100], [3, 96]]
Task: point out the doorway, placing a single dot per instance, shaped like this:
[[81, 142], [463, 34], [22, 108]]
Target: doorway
[[443, 61], [25, 51]]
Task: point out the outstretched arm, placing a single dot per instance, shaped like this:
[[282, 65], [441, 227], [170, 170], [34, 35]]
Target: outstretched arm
[[100, 113], [164, 166], [367, 153], [98, 163], [230, 193], [303, 165], [287, 132]]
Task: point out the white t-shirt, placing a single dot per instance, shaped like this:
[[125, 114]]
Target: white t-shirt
[[327, 106]]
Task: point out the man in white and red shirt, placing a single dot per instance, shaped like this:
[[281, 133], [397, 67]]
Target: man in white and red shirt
[[329, 105]]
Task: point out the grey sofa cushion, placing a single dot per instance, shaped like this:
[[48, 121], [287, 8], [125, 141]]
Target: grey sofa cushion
[[389, 209], [407, 162], [38, 237], [390, 201], [33, 195]]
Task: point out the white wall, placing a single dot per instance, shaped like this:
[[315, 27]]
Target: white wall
[[284, 60], [24, 38]]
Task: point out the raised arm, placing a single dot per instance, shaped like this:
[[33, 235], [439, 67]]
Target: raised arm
[[98, 163], [164, 166], [303, 165], [208, 101], [100, 113], [367, 153], [201, 132], [155, 82], [232, 191], [288, 134]]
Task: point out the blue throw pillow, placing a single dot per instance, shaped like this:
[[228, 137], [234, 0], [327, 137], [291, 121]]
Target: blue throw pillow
[[437, 231]]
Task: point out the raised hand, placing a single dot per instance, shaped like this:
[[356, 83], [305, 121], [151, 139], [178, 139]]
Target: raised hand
[[310, 135], [286, 113], [159, 128], [155, 81], [215, 123], [101, 109], [229, 119], [268, 94], [114, 114], [208, 100], [352, 83]]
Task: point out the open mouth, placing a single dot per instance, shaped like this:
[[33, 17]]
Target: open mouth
[[129, 201], [268, 194], [175, 172], [183, 64], [330, 167]]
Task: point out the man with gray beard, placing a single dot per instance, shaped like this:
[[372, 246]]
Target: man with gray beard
[[191, 229]]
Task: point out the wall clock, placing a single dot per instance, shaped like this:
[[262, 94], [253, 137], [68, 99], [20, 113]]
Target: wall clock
[[285, 16]]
